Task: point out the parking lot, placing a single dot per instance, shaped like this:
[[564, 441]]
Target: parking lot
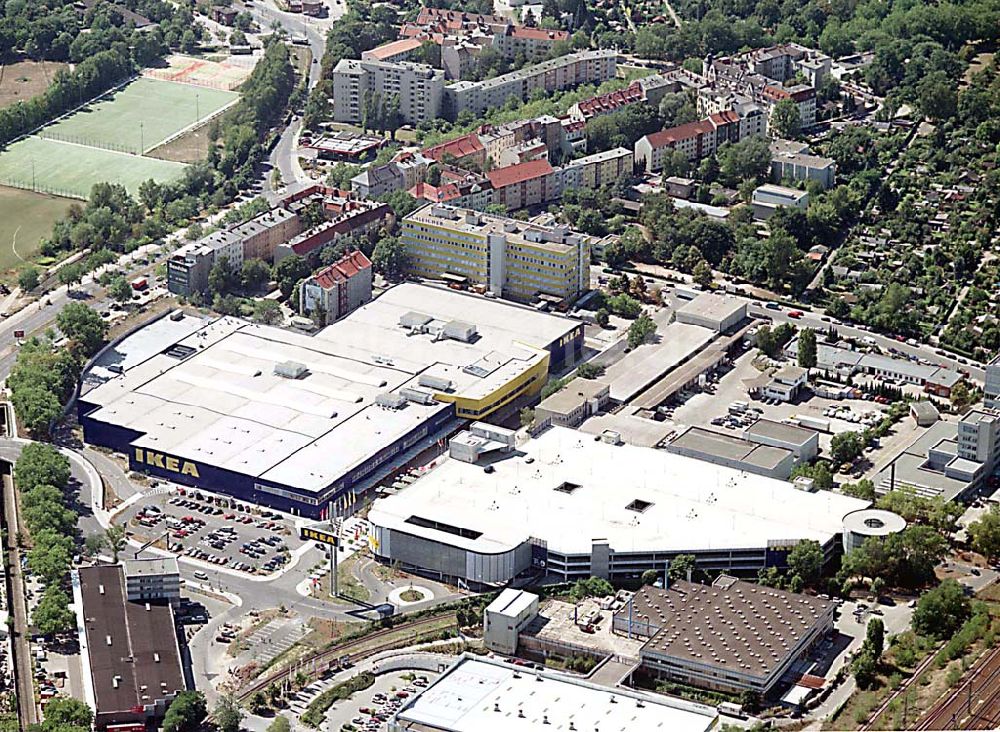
[[367, 711], [215, 530]]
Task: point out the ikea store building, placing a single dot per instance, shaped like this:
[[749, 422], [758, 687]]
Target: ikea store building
[[297, 422]]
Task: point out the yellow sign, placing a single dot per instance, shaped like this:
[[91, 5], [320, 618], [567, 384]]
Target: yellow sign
[[166, 462], [324, 537]]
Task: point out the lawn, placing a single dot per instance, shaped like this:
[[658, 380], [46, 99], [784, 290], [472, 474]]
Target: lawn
[[26, 79], [70, 170], [140, 116], [25, 219]]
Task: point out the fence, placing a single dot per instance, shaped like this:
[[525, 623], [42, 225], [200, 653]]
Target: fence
[[187, 76], [86, 142], [41, 188]]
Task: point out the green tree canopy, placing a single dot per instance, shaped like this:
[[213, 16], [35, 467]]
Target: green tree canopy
[[941, 610], [84, 326], [186, 712]]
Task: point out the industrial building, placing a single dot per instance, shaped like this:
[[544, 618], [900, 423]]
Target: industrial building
[[733, 452], [572, 506], [731, 636], [513, 259], [574, 403], [769, 198], [479, 694], [803, 442], [295, 422], [113, 628], [720, 313], [506, 617]]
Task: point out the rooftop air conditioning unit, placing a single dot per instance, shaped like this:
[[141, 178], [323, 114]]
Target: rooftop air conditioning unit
[[290, 370]]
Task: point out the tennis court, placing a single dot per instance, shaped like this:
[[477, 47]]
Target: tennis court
[[65, 169], [140, 116]]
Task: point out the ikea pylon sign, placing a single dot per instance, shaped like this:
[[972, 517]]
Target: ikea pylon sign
[[166, 462]]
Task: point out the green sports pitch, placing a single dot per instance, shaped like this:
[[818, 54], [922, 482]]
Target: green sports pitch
[[140, 116], [65, 169]]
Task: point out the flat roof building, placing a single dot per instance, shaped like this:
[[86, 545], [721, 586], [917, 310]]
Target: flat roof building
[[716, 312], [505, 617], [731, 636], [294, 421], [571, 405], [768, 198], [870, 523], [804, 443], [580, 508], [152, 579], [991, 388], [479, 694], [733, 452], [130, 650]]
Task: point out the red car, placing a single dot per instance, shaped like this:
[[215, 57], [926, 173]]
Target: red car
[[795, 313]]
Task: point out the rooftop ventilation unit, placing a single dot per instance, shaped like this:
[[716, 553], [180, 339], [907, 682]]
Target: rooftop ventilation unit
[[417, 395], [474, 370], [414, 320], [290, 370], [435, 382], [390, 400], [460, 331]]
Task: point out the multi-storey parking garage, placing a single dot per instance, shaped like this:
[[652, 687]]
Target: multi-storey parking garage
[[296, 422]]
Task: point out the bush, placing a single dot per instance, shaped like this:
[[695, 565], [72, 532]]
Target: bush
[[316, 711]]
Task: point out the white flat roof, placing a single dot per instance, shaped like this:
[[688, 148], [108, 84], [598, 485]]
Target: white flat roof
[[223, 404], [647, 363], [511, 602], [694, 505], [466, 698]]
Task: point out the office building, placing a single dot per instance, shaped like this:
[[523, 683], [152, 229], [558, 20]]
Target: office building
[[152, 579], [731, 636], [512, 259], [868, 524], [574, 403], [338, 289], [294, 421], [991, 389], [586, 508], [369, 84], [129, 650]]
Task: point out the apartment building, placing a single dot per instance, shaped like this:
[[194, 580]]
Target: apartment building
[[801, 166], [401, 173], [565, 72], [599, 169], [188, 268], [401, 50], [345, 218], [979, 439], [337, 290], [418, 89], [695, 139], [513, 259], [991, 389]]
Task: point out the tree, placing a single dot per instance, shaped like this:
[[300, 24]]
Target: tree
[[267, 312], [70, 274], [119, 289], [28, 278], [69, 711], [526, 416], [649, 577], [390, 257], [280, 724], [806, 560], [702, 274], [84, 326], [807, 348], [875, 637], [255, 274], [115, 536], [747, 159], [589, 371], [640, 331], [786, 119], [878, 587], [985, 534], [864, 667], [37, 408], [602, 317], [223, 278], [289, 271], [941, 610], [681, 565], [863, 489], [228, 714], [186, 712], [750, 700], [52, 614], [40, 464], [845, 447]]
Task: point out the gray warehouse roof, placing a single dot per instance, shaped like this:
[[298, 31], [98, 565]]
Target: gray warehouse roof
[[780, 431]]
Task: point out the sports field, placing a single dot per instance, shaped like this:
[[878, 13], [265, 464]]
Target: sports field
[[25, 219], [66, 169], [140, 116]]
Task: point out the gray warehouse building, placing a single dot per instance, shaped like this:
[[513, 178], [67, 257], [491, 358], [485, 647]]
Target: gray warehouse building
[[716, 312], [733, 452]]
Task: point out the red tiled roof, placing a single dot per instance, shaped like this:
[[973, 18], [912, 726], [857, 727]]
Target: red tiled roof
[[681, 132], [343, 269], [538, 34], [519, 173], [725, 117], [611, 100], [427, 192], [394, 48], [458, 148]]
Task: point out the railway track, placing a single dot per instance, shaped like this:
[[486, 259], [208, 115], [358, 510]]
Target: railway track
[[901, 690], [975, 704], [353, 650]]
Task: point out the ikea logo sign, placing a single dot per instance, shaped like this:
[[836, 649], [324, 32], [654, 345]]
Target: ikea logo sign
[[166, 462]]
